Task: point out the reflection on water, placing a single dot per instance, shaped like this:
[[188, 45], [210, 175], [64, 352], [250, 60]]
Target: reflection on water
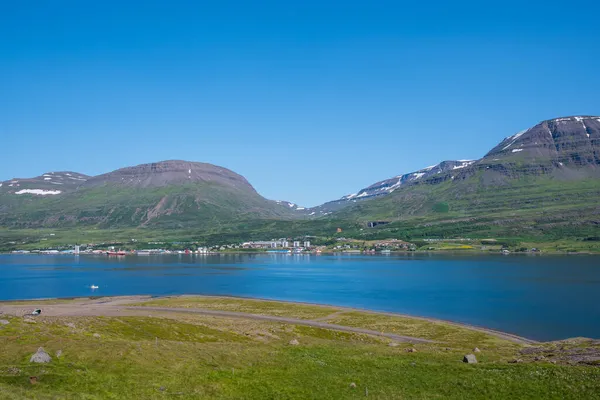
[[543, 297]]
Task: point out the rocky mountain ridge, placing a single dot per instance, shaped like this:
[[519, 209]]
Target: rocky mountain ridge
[[566, 148]]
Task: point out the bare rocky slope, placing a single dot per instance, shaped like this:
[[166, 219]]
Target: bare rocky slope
[[169, 173]]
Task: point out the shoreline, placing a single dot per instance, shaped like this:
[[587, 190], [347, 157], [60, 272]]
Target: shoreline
[[493, 332], [328, 253]]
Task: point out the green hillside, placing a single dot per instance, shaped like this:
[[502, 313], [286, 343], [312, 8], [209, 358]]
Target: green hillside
[[534, 208], [109, 206]]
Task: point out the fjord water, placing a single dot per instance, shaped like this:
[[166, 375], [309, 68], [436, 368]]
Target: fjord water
[[539, 297]]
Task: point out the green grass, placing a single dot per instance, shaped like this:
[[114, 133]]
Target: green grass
[[303, 311], [191, 356]]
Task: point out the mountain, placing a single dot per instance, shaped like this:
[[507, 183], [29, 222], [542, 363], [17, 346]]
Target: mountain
[[570, 142], [169, 194], [24, 193], [562, 147], [541, 181], [385, 187], [48, 184], [389, 185], [169, 173]]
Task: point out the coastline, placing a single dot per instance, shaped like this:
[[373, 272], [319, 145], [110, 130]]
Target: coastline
[[328, 253], [140, 298]]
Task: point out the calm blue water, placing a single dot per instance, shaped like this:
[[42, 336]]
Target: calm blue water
[[540, 297]]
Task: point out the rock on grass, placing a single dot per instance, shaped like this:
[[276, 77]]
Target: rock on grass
[[40, 357], [470, 359]]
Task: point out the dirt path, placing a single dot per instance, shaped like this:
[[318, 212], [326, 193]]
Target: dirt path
[[331, 316], [286, 320], [120, 309], [121, 306]]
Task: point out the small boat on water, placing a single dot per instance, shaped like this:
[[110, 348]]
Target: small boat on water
[[94, 287]]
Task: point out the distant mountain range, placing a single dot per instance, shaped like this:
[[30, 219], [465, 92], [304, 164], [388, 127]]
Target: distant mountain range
[[545, 178]]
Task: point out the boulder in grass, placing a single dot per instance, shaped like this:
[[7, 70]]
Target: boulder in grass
[[294, 342], [470, 359], [4, 322], [40, 357], [476, 350]]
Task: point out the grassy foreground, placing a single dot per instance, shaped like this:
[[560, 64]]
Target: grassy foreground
[[183, 355]]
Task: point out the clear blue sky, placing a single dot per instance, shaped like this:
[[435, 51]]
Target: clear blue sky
[[309, 100]]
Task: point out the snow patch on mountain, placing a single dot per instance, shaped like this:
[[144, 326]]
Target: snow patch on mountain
[[514, 138], [40, 192], [465, 163]]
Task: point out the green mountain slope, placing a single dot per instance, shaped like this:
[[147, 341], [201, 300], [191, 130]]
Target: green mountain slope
[[540, 183], [170, 194]]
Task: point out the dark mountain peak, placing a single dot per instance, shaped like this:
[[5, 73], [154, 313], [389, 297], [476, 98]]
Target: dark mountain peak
[[563, 141], [171, 172], [574, 118]]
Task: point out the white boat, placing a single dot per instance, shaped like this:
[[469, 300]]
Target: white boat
[[93, 287]]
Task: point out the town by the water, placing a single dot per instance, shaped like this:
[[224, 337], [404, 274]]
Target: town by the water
[[282, 245], [305, 245]]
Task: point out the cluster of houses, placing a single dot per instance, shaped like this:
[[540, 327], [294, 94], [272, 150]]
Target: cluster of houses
[[274, 244], [384, 246]]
